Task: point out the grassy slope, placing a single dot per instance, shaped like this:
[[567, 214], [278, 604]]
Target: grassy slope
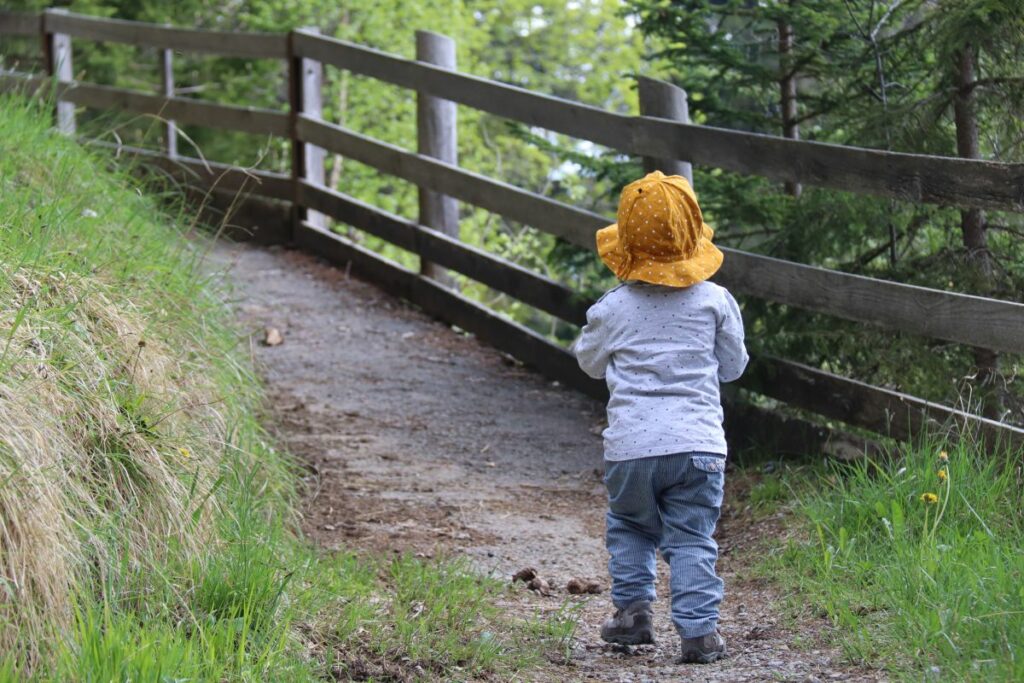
[[926, 587], [146, 517]]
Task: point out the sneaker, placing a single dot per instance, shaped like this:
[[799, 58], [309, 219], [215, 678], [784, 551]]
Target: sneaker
[[633, 625], [703, 650]]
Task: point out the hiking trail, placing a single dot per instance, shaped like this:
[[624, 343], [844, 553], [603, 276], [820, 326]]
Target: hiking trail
[[420, 439]]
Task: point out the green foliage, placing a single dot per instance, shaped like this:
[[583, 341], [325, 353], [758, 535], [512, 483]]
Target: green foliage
[[175, 555], [918, 561], [869, 73], [768, 493]]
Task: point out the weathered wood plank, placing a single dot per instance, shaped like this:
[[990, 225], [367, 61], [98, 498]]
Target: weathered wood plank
[[493, 271], [388, 275], [962, 318], [227, 178], [908, 177], [523, 343], [20, 23], [568, 222], [950, 316], [226, 43], [311, 104], [666, 101], [209, 175], [59, 64], [366, 217], [437, 136], [21, 82], [884, 411], [453, 308], [295, 67], [749, 427], [532, 108], [180, 109], [223, 176], [911, 177], [242, 217], [167, 90]]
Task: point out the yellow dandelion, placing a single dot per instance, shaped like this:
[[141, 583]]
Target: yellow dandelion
[[943, 456], [185, 453], [929, 498], [943, 474]]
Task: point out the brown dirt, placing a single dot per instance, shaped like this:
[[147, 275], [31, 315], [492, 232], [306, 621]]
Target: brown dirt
[[419, 439]]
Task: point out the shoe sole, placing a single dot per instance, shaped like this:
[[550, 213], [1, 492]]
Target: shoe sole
[[627, 639], [709, 658]]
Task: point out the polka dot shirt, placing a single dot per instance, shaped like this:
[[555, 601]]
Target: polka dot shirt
[[663, 352]]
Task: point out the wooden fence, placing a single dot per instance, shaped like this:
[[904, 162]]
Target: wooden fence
[[665, 143]]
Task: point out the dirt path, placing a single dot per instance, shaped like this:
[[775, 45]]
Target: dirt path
[[422, 440]]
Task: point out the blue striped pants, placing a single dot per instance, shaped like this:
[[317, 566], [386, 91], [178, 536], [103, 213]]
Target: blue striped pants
[[671, 502]]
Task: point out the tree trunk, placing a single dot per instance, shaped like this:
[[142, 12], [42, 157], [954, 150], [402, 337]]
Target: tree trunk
[[787, 87], [972, 221]]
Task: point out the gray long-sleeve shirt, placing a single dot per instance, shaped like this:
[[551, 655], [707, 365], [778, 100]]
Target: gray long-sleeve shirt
[[663, 352]]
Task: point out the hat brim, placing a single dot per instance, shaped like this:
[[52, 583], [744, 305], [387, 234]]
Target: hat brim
[[672, 273]]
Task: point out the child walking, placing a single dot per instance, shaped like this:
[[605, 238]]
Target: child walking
[[663, 340]]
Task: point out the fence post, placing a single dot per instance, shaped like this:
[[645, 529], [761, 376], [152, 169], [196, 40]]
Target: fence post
[[57, 47], [313, 106], [665, 101], [437, 136], [167, 90], [305, 78]]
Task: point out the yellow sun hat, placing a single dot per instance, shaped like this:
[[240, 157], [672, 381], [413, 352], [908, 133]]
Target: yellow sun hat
[[660, 236]]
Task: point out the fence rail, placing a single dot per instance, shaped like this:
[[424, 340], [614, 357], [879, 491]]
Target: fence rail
[[910, 177], [562, 220], [947, 316], [223, 43], [210, 174], [19, 24], [184, 110], [197, 112], [495, 272]]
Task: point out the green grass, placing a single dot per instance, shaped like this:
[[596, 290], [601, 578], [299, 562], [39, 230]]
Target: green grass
[[149, 523], [913, 584], [768, 493]]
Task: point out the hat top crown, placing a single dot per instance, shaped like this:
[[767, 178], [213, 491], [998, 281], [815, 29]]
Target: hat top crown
[[659, 217]]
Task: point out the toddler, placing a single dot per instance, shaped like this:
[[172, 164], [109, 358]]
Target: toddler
[[663, 340]]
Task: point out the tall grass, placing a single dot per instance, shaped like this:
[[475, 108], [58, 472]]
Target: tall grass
[[919, 562], [146, 521]]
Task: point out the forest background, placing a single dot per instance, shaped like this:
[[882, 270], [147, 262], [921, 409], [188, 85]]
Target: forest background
[[940, 77]]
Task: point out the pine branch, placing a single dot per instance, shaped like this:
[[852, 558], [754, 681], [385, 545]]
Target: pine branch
[[989, 82], [1005, 228]]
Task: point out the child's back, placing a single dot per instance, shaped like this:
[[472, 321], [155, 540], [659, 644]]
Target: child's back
[[663, 351]]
